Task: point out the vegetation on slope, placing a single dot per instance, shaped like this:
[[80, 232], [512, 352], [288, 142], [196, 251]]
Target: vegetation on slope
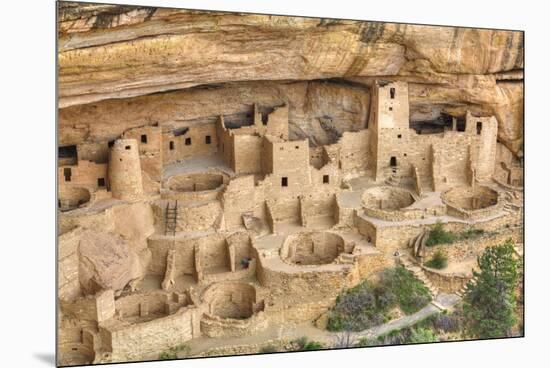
[[438, 235], [368, 304], [490, 302]]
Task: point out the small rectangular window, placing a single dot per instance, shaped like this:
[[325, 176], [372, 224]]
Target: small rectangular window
[[207, 139], [325, 179], [393, 161], [101, 182], [297, 147], [143, 138], [399, 136], [479, 125], [128, 147], [391, 108], [187, 141], [284, 181], [67, 173], [171, 145], [392, 93]]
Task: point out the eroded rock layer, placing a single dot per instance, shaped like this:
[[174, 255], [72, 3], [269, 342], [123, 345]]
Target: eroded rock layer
[[115, 60]]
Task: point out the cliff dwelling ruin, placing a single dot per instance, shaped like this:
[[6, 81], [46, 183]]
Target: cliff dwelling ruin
[[206, 229]]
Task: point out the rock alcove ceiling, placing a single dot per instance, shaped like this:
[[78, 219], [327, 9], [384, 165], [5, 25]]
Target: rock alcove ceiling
[[126, 66]]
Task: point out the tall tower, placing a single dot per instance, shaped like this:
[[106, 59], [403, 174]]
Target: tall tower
[[125, 170], [389, 124]]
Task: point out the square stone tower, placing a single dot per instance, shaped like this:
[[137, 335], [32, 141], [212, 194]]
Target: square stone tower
[[389, 124]]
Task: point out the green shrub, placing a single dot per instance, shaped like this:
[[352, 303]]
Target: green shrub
[[410, 293], [438, 261], [438, 235], [167, 355], [303, 343], [268, 349], [172, 353], [470, 233], [420, 335]]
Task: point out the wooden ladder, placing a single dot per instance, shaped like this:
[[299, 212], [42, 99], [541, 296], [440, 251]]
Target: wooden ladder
[[171, 218]]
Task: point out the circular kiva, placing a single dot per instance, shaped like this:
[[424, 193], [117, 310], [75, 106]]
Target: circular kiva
[[387, 198], [312, 248], [230, 300], [471, 199], [195, 182]]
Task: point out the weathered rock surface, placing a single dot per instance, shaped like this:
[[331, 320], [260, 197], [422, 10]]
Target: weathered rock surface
[[125, 54], [106, 262]]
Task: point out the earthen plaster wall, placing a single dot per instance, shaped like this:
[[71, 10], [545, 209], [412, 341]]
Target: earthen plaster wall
[[177, 147], [238, 198], [149, 140]]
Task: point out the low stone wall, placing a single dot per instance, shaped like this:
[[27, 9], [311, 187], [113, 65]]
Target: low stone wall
[[343, 216], [395, 215], [316, 205], [299, 312], [278, 344], [133, 341], [215, 326], [299, 286], [390, 238], [446, 282], [473, 214], [205, 195], [469, 248]]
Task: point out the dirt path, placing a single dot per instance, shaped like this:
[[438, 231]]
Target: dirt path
[[295, 331]]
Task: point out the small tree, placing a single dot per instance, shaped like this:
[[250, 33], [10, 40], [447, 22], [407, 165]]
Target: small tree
[[438, 235], [489, 303]]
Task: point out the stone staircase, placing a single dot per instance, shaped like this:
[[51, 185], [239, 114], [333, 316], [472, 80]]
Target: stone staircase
[[463, 290], [171, 218], [345, 258], [419, 274], [418, 243]]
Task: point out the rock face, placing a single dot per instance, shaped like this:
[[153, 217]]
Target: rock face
[[106, 262], [114, 61]]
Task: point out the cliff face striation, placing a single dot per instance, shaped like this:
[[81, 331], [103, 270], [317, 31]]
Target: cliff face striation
[[125, 66]]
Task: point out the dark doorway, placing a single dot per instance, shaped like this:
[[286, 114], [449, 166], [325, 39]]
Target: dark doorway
[[207, 139], [143, 138], [325, 179], [171, 145], [101, 182], [284, 181], [460, 124], [392, 93], [187, 141], [67, 172], [393, 161], [479, 125]]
